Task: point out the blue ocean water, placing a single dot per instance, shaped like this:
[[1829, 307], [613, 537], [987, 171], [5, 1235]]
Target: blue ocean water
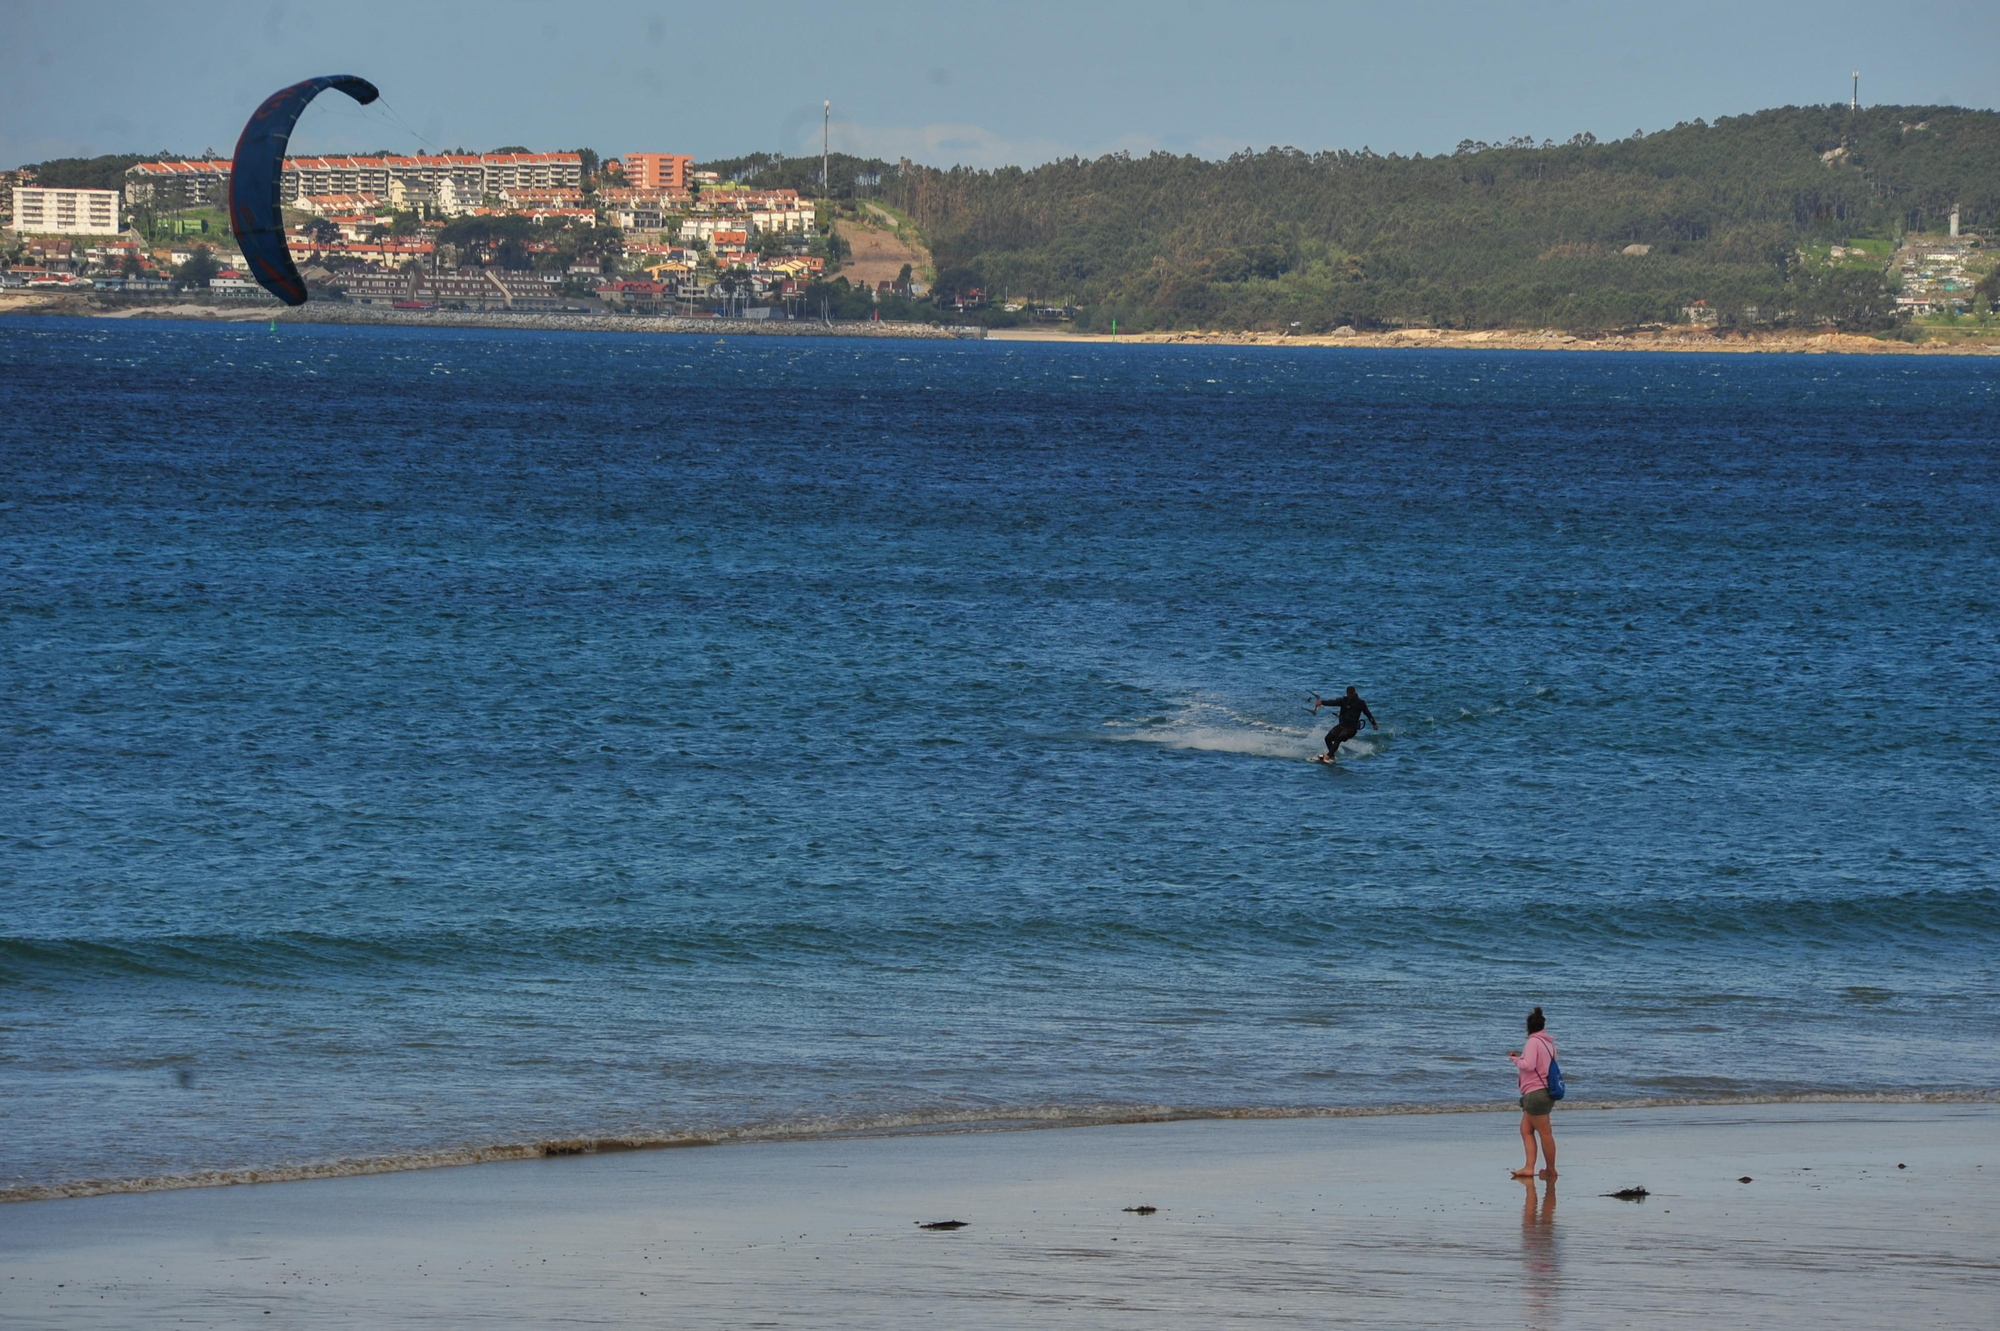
[[423, 743]]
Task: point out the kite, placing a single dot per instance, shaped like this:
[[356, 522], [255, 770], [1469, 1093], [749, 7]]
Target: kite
[[256, 210]]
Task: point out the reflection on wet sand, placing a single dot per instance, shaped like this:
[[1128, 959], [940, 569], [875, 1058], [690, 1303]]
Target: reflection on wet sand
[[1541, 1255], [1399, 1221]]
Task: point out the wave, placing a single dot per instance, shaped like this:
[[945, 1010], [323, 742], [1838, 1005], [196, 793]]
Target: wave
[[1144, 926], [927, 1123]]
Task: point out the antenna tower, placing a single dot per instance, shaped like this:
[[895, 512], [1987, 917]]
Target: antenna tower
[[825, 124], [1854, 99]]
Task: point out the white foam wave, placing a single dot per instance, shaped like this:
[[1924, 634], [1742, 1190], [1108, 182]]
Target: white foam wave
[[1213, 727], [1226, 739]]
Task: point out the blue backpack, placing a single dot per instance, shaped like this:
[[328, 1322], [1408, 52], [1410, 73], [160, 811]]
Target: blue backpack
[[1556, 1088]]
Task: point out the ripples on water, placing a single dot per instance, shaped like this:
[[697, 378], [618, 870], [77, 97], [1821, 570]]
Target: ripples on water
[[431, 741]]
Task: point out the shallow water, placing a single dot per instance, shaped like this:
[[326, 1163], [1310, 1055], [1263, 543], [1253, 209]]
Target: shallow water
[[435, 741]]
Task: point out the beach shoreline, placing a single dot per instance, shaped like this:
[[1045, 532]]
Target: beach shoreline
[[943, 1124], [1796, 1214], [322, 312], [1673, 340]]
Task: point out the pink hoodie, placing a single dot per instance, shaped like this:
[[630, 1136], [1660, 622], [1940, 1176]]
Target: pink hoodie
[[1536, 1055]]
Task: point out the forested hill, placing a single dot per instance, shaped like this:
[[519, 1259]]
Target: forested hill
[[1492, 235]]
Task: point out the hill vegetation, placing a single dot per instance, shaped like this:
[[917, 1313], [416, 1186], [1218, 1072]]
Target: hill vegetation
[[1491, 235], [107, 172]]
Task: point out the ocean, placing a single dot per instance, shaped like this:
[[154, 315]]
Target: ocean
[[422, 746]]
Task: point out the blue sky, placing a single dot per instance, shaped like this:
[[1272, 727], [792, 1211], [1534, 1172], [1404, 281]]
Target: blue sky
[[985, 85]]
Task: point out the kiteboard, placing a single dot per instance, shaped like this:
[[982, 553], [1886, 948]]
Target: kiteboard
[[1326, 758]]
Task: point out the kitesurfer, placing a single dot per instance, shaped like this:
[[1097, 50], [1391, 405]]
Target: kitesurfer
[[1352, 709]]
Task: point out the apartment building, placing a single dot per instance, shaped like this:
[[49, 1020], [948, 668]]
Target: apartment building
[[505, 171], [178, 184], [466, 178], [657, 170], [66, 212]]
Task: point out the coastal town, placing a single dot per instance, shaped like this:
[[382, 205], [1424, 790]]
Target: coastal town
[[502, 231], [570, 233]]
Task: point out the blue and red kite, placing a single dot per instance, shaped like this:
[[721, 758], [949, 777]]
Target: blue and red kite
[[256, 210]]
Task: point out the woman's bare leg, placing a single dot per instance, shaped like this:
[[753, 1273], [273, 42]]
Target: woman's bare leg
[[1546, 1130], [1527, 1148]]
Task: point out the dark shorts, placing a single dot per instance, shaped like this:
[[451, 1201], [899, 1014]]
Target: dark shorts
[[1537, 1103], [1344, 732]]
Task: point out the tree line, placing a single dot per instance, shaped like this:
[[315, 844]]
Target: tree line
[[1581, 234]]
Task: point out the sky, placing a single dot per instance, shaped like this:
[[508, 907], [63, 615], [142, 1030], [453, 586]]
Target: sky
[[980, 84]]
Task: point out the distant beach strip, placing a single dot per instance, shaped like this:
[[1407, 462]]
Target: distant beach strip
[[1684, 340]]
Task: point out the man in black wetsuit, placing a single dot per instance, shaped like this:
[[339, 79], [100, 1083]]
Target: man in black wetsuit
[[1352, 709]]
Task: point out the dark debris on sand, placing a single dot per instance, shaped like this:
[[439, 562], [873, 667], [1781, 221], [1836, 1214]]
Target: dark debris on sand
[[942, 1224], [1630, 1194], [1142, 1210]]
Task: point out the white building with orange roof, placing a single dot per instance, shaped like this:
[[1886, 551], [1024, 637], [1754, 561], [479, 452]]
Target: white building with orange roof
[[465, 179], [178, 184], [335, 205]]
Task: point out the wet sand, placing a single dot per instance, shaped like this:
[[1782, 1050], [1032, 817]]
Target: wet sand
[[1395, 1220]]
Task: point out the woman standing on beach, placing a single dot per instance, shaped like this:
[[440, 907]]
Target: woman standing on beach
[[1533, 1063]]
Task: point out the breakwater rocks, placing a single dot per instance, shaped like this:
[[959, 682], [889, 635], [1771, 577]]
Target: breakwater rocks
[[327, 312]]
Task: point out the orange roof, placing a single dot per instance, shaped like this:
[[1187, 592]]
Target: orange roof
[[182, 168], [457, 159]]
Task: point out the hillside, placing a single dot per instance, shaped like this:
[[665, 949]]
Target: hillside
[[1492, 235], [107, 172]]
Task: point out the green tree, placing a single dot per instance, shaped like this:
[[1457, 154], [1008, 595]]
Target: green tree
[[1988, 290], [198, 271], [107, 172], [499, 239], [601, 245]]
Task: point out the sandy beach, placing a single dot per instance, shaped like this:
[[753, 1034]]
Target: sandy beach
[[1408, 1220], [1786, 341], [1682, 339]]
